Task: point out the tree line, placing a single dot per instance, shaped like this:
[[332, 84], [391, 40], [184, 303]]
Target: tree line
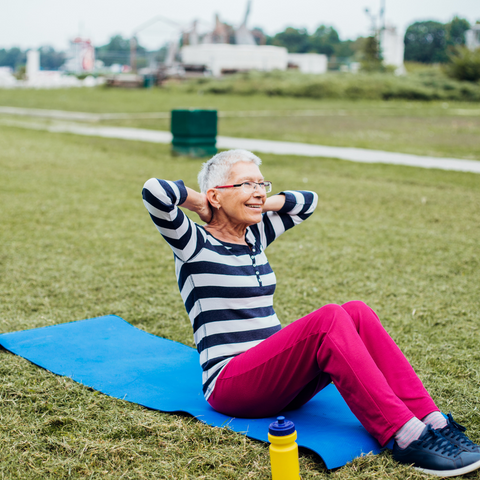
[[425, 42], [117, 50], [433, 42], [324, 40], [15, 57]]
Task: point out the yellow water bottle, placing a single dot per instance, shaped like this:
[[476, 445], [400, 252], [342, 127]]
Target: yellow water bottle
[[283, 450]]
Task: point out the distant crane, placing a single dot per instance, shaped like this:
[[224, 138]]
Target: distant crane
[[377, 29], [143, 26], [243, 36], [381, 17]]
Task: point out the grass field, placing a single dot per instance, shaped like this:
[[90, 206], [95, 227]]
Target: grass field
[[76, 242], [444, 129]]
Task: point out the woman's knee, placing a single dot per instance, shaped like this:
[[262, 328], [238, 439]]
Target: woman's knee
[[356, 306], [360, 312], [329, 314]]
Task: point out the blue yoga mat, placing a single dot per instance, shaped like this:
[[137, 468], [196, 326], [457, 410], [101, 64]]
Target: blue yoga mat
[[112, 356]]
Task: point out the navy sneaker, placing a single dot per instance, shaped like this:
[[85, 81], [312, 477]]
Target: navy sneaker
[[434, 454], [454, 432]]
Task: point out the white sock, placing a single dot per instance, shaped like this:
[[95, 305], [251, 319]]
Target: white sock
[[410, 432], [435, 419]]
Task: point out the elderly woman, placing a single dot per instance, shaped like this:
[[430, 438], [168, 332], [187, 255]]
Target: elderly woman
[[252, 367]]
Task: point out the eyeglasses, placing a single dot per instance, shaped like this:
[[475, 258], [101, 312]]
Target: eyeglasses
[[250, 187]]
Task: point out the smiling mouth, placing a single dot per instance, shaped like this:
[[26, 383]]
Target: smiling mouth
[[254, 206]]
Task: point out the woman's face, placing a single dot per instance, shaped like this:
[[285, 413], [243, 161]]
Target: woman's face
[[239, 206]]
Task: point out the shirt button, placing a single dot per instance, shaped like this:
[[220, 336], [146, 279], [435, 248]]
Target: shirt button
[[257, 272], [253, 249]]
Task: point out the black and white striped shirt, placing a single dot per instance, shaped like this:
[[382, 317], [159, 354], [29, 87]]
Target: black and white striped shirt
[[227, 288]]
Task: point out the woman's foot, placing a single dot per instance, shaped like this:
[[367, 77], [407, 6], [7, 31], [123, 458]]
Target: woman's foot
[[454, 432], [434, 454]]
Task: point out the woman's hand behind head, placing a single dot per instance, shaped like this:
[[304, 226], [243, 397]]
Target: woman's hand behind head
[[198, 202], [206, 211]]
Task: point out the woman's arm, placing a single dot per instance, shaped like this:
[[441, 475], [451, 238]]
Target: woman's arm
[[198, 203], [284, 211], [274, 204], [162, 197]]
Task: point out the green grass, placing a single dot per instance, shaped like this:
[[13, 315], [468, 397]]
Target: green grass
[[443, 129], [77, 242], [425, 85]]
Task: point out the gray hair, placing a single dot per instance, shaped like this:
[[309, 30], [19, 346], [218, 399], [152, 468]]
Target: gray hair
[[217, 170]]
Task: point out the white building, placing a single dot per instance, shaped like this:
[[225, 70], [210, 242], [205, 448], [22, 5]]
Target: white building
[[33, 64], [472, 37], [308, 62], [393, 49], [7, 79], [222, 58]]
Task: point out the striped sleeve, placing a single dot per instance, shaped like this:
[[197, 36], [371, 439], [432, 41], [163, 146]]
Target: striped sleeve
[[162, 198], [299, 205]]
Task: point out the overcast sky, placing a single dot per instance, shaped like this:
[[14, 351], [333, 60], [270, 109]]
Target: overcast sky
[[32, 23]]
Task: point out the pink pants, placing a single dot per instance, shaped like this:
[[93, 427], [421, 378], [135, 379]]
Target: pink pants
[[345, 344]]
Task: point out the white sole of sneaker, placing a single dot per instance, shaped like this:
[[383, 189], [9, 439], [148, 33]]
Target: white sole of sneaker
[[451, 473]]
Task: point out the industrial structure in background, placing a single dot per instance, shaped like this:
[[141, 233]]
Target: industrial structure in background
[[80, 56], [226, 50], [37, 78], [216, 51], [80, 61], [390, 42]]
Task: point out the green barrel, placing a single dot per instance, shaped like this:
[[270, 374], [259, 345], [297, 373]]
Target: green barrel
[[148, 81], [194, 132]]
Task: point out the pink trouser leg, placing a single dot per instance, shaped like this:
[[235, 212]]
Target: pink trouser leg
[[346, 345], [390, 360]]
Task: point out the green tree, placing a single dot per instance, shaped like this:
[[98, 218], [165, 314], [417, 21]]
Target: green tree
[[51, 59], [455, 31], [425, 42], [345, 49], [13, 57], [295, 40], [371, 57], [324, 40], [117, 50]]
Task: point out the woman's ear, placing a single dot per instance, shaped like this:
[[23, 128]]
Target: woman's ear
[[212, 197]]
